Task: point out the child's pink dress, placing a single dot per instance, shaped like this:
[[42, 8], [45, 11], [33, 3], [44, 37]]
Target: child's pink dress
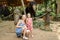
[[29, 24]]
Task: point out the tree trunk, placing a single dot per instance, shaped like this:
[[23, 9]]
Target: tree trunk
[[47, 20], [16, 18], [23, 6]]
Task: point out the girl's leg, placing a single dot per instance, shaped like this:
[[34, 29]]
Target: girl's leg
[[31, 33], [28, 33]]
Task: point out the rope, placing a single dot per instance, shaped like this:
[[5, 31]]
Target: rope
[[7, 16], [34, 17], [41, 16]]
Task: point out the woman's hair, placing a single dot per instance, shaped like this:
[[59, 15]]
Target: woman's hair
[[20, 17], [25, 17]]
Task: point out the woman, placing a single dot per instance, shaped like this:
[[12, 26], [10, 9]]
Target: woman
[[21, 27]]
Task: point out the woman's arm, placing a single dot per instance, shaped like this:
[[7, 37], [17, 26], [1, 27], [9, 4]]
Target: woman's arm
[[26, 21], [18, 24]]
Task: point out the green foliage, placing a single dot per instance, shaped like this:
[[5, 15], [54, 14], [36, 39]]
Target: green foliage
[[10, 8], [52, 14], [38, 23], [40, 9], [18, 7], [39, 13], [58, 15]]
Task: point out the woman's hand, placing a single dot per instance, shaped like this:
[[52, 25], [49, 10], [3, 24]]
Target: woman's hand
[[18, 26]]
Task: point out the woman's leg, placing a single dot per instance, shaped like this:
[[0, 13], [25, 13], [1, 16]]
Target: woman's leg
[[24, 34]]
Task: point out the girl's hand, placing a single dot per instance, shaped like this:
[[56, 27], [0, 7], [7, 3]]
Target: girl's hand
[[24, 27], [32, 29]]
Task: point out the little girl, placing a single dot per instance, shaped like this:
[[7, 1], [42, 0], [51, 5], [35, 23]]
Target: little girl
[[29, 23]]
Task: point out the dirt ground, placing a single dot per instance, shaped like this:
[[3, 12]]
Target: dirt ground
[[7, 32]]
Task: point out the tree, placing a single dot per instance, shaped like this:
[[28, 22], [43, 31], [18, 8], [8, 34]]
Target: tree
[[47, 19]]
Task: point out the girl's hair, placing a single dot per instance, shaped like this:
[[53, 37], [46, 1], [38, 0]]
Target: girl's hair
[[28, 13]]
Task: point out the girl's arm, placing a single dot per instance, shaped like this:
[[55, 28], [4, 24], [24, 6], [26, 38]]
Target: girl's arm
[[18, 24], [32, 24]]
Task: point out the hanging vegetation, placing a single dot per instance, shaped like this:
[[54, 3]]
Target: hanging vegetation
[[48, 4]]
